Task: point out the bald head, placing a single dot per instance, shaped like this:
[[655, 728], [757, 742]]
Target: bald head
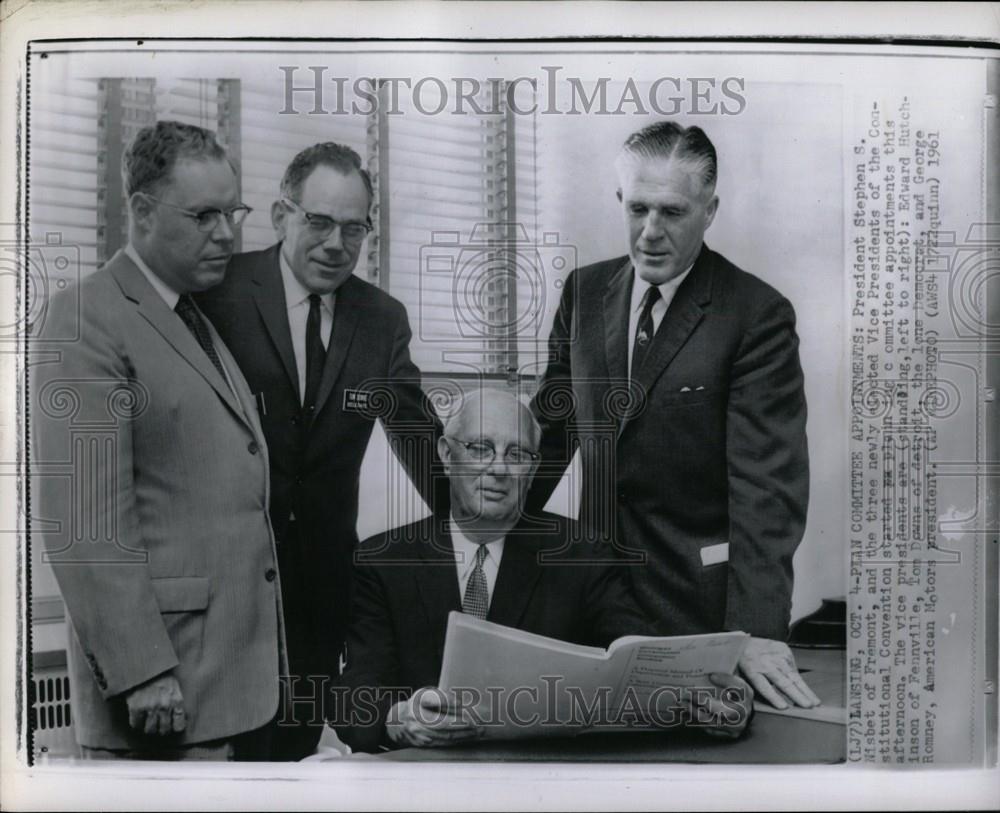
[[488, 407]]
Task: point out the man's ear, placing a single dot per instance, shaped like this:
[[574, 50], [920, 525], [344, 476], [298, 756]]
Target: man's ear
[[444, 452], [710, 210], [140, 210], [278, 214]]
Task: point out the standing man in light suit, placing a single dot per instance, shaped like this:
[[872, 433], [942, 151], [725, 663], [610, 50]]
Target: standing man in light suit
[[325, 353], [161, 544], [710, 466]]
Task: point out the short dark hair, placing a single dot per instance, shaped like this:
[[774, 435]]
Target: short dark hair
[[330, 154], [154, 152], [667, 139]]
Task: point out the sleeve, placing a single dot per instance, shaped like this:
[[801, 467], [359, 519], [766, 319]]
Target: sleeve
[[83, 498], [554, 405], [411, 422], [768, 473], [371, 676]]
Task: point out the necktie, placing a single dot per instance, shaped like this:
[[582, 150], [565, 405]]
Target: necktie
[[477, 600], [315, 353], [644, 330], [189, 314]]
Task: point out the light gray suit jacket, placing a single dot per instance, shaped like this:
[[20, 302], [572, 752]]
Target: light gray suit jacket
[[150, 493]]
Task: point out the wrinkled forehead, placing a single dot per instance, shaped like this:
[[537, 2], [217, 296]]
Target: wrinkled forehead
[[497, 417], [660, 177]]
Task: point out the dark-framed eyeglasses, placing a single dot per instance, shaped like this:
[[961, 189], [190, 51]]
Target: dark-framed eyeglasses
[[208, 220], [483, 451], [353, 231]]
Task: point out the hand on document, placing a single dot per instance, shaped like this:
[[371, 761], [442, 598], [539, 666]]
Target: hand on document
[[425, 721], [770, 667], [721, 710]]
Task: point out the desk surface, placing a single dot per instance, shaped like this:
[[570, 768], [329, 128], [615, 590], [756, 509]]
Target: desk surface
[[772, 739]]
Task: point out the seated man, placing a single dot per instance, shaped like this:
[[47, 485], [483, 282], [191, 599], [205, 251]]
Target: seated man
[[483, 559]]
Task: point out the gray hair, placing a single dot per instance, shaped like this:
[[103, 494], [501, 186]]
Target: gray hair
[[669, 140]]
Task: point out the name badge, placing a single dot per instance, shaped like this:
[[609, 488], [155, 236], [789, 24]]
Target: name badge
[[356, 400]]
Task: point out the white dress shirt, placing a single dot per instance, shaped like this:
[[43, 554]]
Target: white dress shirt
[[465, 559], [167, 294], [639, 287], [297, 302]]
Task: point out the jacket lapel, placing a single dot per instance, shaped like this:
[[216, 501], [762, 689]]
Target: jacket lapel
[[345, 321], [269, 296], [616, 302], [682, 317], [519, 570], [168, 324], [437, 582]]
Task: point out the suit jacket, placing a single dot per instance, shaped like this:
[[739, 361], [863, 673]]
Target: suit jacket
[[315, 464], [150, 494], [405, 589], [707, 449]]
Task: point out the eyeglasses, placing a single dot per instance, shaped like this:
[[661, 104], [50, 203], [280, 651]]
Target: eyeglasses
[[482, 451], [353, 231], [209, 219]]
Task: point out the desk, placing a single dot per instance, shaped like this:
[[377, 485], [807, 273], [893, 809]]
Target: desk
[[771, 739]]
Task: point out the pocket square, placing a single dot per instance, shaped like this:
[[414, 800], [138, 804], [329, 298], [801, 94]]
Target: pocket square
[[715, 554], [685, 389]]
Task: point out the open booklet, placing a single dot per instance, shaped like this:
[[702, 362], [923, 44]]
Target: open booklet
[[518, 684]]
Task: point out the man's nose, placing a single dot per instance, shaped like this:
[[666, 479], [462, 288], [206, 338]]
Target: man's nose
[[334, 240], [654, 227], [223, 231]]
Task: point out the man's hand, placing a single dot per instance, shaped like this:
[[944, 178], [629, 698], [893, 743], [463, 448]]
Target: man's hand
[[768, 664], [424, 721], [157, 706], [727, 715]]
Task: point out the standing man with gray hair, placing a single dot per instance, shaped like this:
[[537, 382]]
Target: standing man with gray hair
[[705, 481], [325, 353], [160, 542]]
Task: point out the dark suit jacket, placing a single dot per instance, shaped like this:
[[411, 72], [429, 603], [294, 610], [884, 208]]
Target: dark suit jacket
[[707, 448], [160, 542], [315, 465], [404, 591]]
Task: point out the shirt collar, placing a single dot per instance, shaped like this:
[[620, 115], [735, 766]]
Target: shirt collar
[[167, 294], [295, 292], [667, 289], [465, 548]]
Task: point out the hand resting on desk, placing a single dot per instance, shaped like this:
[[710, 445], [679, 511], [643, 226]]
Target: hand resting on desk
[[770, 668]]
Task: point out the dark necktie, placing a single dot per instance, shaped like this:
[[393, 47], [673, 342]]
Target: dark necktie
[[477, 599], [315, 353], [189, 314], [644, 330]]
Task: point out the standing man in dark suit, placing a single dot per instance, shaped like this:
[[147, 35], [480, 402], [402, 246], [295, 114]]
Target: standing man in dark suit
[[325, 353], [160, 541], [483, 558], [689, 368]]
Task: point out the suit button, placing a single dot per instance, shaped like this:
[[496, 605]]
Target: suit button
[[295, 421], [270, 574], [621, 496], [252, 447]]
